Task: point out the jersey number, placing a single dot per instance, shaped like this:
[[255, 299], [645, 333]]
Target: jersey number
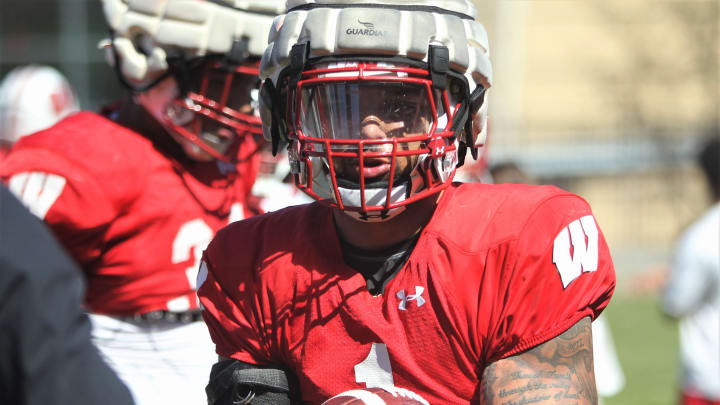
[[190, 241], [375, 370], [582, 234]]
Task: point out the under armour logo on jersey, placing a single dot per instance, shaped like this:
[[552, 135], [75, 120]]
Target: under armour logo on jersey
[[583, 235], [417, 297]]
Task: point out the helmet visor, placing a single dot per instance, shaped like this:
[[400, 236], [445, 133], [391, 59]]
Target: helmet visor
[[375, 130], [355, 110]]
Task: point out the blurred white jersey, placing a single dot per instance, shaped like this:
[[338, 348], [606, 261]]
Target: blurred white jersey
[[609, 376], [693, 295], [276, 195], [33, 98], [271, 185]]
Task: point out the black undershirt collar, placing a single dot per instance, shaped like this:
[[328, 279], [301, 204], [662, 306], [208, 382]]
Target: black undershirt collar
[[378, 267]]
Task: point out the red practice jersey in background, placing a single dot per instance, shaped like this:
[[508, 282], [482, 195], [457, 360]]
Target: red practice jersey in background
[[135, 220], [498, 269]]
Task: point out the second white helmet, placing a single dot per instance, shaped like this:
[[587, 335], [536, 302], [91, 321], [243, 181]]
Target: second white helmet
[[210, 48]]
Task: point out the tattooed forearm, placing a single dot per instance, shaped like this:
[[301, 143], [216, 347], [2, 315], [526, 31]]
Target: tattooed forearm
[[559, 371]]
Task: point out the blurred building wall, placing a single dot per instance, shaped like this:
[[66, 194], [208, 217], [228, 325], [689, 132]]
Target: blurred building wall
[[609, 99]]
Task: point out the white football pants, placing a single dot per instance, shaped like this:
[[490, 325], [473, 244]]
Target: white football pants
[[160, 362]]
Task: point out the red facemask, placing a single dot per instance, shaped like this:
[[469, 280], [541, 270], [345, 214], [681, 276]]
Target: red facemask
[[218, 110], [371, 137]]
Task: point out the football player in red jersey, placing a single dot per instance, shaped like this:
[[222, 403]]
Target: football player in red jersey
[[397, 276], [136, 193]]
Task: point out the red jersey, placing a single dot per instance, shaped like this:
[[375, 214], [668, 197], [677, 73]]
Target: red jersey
[[135, 220], [498, 269]]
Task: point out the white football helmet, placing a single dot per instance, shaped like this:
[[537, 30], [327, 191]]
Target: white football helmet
[[210, 47], [378, 101], [33, 98]]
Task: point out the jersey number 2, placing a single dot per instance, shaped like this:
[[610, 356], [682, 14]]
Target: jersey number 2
[[190, 241]]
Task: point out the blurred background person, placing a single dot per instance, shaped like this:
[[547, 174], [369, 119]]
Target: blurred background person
[[692, 292], [609, 376], [32, 98], [136, 192], [274, 185], [509, 172], [47, 356]]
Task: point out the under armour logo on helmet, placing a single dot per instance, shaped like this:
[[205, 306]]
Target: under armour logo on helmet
[[405, 298]]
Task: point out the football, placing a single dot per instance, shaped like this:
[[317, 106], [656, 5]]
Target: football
[[377, 396]]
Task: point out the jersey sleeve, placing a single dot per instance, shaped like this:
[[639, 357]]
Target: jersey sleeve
[[558, 271], [226, 292], [64, 195]]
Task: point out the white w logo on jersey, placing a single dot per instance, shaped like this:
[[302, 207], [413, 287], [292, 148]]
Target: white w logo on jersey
[[37, 190], [584, 256]]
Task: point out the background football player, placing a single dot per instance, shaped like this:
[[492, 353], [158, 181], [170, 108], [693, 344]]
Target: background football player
[[691, 293], [396, 276], [274, 185], [32, 98], [135, 194]]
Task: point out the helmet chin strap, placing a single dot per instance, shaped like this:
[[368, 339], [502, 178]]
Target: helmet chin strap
[[351, 195], [376, 194], [374, 216]]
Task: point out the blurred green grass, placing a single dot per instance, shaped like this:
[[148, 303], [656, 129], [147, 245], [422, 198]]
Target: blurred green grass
[[646, 344]]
